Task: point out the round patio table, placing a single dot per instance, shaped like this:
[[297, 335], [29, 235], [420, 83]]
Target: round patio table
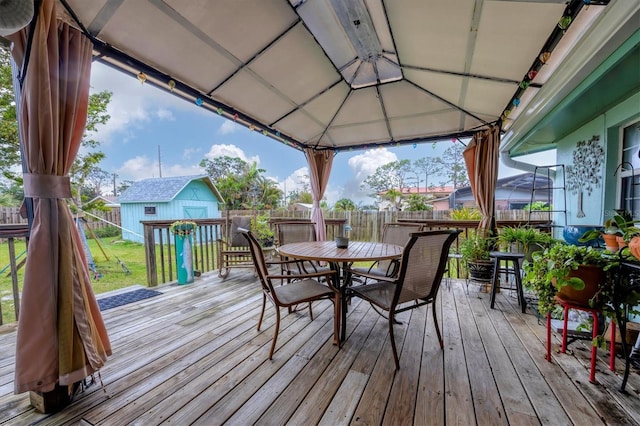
[[340, 258]]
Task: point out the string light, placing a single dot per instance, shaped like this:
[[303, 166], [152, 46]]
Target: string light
[[198, 101], [172, 85], [219, 111], [544, 57], [142, 77]]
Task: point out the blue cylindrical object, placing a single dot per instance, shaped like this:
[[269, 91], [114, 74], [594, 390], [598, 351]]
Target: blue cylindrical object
[[184, 258]]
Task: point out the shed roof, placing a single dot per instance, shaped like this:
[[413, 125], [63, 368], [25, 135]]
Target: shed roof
[[162, 190]]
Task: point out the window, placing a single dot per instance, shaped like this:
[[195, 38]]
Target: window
[[149, 210], [629, 170]]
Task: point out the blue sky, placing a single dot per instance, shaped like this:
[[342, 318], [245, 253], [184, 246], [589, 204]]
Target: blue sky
[[145, 120]]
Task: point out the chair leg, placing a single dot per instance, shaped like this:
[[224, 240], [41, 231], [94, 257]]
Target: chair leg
[[336, 319], [310, 312], [393, 342], [435, 322], [275, 333], [264, 305]]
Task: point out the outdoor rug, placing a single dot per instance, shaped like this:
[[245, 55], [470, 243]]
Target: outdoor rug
[[126, 298]]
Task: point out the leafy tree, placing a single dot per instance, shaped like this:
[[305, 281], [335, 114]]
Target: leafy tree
[[84, 169], [124, 185], [242, 185], [221, 167], [9, 143], [428, 167], [456, 170], [296, 196], [392, 175], [417, 202], [345, 204]]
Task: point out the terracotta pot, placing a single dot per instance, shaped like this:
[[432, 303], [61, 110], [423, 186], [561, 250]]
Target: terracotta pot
[[593, 277], [610, 242], [634, 247], [621, 242]]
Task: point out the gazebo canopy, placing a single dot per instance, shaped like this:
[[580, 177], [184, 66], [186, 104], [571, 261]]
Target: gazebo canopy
[[339, 75]]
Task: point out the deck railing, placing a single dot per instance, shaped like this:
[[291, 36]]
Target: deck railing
[[10, 306], [160, 246]]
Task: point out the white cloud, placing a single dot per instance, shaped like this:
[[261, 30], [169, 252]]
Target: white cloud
[[165, 114], [366, 164], [229, 127], [132, 104], [221, 150], [189, 152], [143, 167], [296, 181]]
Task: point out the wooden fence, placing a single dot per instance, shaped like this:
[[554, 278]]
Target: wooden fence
[[95, 220]]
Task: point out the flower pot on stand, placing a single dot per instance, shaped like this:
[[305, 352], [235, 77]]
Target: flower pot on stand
[[634, 247], [610, 242], [482, 271], [593, 276]]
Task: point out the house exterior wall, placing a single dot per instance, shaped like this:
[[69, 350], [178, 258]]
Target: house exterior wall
[[195, 201], [598, 205]]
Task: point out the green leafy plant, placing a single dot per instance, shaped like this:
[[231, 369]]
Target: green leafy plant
[[262, 230], [465, 213], [525, 238], [182, 228], [477, 247], [549, 271], [621, 223]]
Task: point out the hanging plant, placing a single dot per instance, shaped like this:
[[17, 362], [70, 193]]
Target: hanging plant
[[182, 228]]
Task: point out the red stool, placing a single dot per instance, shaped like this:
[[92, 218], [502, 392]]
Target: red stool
[[594, 350]]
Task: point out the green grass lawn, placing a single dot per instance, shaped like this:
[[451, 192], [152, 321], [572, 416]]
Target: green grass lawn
[[110, 269]]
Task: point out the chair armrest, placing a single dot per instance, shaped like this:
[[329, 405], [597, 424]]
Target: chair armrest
[[330, 276], [374, 277]]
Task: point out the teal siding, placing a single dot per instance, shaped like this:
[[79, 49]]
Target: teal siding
[[195, 201], [604, 197]]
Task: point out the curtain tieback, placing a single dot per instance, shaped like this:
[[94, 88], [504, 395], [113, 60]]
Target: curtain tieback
[[46, 186]]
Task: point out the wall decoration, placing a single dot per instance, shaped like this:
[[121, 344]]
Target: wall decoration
[[585, 174]]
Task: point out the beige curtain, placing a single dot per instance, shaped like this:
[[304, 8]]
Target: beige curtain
[[319, 169], [61, 335], [481, 158]]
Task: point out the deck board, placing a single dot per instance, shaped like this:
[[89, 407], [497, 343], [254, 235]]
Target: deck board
[[193, 356]]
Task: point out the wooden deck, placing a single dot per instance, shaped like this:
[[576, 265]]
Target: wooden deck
[[193, 356]]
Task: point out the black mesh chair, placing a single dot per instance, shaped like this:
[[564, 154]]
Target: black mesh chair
[[393, 233], [422, 267], [305, 289]]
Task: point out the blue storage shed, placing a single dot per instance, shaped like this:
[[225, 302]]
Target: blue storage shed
[[182, 197]]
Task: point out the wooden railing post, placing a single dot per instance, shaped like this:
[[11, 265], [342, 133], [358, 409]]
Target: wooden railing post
[[150, 255]]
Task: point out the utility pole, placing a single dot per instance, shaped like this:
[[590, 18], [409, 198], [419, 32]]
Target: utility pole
[[159, 162], [114, 184]]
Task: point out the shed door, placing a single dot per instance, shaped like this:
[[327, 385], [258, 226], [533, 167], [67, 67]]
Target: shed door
[[195, 212]]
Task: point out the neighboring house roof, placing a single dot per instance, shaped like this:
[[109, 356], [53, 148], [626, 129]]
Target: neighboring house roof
[[523, 182], [435, 191], [162, 190], [108, 200]]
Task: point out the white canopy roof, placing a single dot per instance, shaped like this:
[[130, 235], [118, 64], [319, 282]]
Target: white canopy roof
[[340, 74]]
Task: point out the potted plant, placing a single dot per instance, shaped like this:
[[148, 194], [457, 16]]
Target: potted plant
[[524, 239], [574, 273], [617, 232], [262, 230], [475, 254]]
